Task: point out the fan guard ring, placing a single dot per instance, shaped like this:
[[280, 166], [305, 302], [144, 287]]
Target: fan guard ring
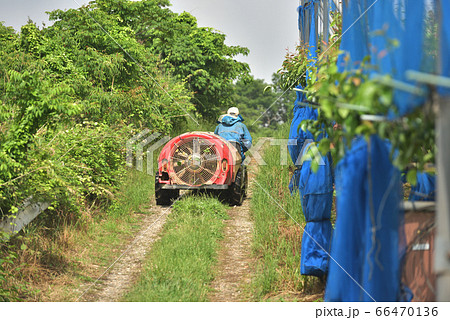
[[194, 161]]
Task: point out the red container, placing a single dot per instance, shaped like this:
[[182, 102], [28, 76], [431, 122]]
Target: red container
[[418, 269]]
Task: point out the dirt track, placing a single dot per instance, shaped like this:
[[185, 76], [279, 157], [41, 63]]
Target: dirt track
[[120, 277], [235, 263]]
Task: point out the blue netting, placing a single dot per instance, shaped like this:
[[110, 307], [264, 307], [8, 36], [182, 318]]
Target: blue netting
[[316, 189], [375, 28], [366, 241], [354, 41], [410, 55], [397, 36], [425, 188], [445, 42], [316, 192], [403, 23], [315, 248], [299, 137], [295, 134]]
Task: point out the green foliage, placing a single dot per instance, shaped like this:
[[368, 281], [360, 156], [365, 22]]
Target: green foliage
[[8, 292], [345, 97], [120, 64], [31, 39], [32, 102], [197, 56], [179, 267], [296, 64], [10, 289], [85, 161], [268, 105], [7, 34], [129, 83], [294, 68]]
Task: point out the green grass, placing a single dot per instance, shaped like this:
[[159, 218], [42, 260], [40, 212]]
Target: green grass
[[181, 264], [277, 237], [136, 194], [120, 221]]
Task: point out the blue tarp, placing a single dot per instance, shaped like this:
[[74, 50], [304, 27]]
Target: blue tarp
[[425, 188], [316, 188], [316, 192], [365, 245]]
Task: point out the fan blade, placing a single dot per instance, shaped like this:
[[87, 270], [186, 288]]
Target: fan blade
[[209, 171]]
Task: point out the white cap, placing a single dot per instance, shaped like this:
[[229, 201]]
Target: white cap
[[233, 112]]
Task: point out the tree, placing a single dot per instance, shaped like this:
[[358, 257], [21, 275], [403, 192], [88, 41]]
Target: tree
[[105, 70], [118, 78], [263, 105], [197, 56]]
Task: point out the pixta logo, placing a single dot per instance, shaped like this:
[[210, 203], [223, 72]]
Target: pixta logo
[[146, 144], [143, 141], [309, 151]]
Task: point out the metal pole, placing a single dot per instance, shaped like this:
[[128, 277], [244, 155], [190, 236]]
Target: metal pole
[[442, 252], [307, 26], [316, 19], [300, 3], [326, 22]]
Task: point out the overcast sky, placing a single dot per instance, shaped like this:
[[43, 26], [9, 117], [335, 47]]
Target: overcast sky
[[267, 27]]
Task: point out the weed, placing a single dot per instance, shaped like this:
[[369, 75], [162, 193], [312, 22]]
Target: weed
[[277, 237]]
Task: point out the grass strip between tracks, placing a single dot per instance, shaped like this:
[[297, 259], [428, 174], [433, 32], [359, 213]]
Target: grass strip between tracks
[[181, 264]]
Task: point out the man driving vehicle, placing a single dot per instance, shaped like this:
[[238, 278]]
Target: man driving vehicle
[[232, 128]]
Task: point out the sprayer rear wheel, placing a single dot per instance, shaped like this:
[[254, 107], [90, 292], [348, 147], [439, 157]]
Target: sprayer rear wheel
[[164, 197], [237, 189]]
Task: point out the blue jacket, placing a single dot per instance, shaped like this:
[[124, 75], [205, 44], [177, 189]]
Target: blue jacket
[[232, 129]]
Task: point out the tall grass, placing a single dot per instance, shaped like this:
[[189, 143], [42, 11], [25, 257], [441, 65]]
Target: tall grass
[[277, 237], [180, 265]]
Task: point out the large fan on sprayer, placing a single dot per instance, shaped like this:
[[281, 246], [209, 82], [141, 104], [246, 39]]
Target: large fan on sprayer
[[200, 161]]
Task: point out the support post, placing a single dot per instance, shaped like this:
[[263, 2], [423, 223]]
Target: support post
[[326, 22], [442, 253]]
